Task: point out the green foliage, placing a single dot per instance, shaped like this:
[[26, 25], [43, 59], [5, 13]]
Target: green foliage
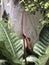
[[43, 51], [39, 48], [43, 43], [12, 46], [42, 46], [34, 5]]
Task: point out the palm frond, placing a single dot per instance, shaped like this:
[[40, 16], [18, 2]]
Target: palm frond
[[13, 45], [41, 46]]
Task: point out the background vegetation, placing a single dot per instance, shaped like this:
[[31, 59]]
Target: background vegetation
[[11, 46]]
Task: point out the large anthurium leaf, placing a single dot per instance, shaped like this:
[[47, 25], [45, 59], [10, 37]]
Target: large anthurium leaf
[[13, 45]]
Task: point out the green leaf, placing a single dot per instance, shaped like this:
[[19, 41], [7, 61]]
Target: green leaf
[[2, 35], [13, 45], [43, 59], [47, 14], [39, 48], [47, 50], [46, 5], [35, 0], [2, 62]]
